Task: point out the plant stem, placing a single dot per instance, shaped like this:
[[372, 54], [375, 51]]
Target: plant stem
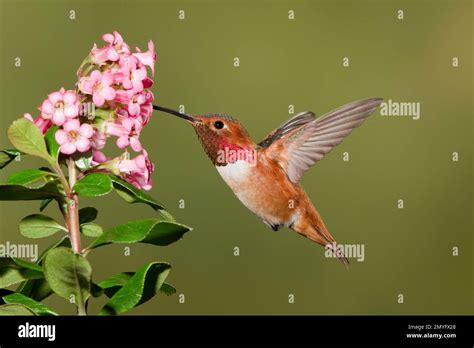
[[73, 210], [62, 179], [81, 309]]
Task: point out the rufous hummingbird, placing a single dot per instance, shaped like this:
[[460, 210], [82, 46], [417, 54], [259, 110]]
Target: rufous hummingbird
[[265, 177]]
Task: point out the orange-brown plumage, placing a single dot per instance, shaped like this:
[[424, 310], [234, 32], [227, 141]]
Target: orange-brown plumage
[[265, 176]]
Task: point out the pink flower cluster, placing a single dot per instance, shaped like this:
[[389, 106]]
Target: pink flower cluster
[[116, 81]]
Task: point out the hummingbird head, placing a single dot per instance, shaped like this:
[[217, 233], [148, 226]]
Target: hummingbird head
[[217, 133]]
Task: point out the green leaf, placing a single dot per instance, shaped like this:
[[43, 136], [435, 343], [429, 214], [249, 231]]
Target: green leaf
[[96, 290], [93, 185], [7, 156], [15, 309], [68, 274], [91, 230], [87, 214], [133, 195], [45, 203], [27, 138], [119, 279], [35, 306], [51, 144], [149, 231], [12, 273], [39, 226], [22, 193], [4, 292], [63, 242], [28, 176], [114, 283], [165, 215], [141, 287], [39, 289], [168, 289], [26, 264]]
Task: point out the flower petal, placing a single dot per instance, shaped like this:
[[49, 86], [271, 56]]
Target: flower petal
[[112, 54], [108, 38], [59, 118], [108, 93], [71, 110], [123, 142], [72, 126], [133, 108], [55, 97], [86, 85], [70, 97], [135, 144], [47, 107], [107, 79], [68, 148], [86, 131], [98, 99], [61, 136], [28, 117], [95, 76], [83, 144], [118, 38], [99, 157]]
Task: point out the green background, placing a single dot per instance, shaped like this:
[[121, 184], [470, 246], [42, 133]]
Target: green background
[[282, 62]]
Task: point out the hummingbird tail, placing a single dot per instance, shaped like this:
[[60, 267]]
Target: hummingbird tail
[[330, 243], [313, 228], [338, 252]]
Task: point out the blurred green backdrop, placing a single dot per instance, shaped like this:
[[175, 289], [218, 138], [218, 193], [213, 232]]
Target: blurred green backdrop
[[282, 62]]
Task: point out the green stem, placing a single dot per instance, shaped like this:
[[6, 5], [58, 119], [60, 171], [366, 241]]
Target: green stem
[[63, 205], [73, 213], [81, 309], [73, 209], [62, 178]]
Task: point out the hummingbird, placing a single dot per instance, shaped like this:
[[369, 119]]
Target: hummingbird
[[266, 176]]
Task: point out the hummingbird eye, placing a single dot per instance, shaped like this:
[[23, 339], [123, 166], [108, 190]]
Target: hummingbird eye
[[219, 124]]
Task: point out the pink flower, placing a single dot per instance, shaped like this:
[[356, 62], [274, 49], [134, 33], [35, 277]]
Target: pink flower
[[99, 86], [123, 104], [112, 52], [60, 106], [137, 171], [133, 79], [146, 108], [74, 137], [135, 103], [40, 122], [99, 157], [98, 140], [147, 58], [123, 96], [128, 132], [137, 106]]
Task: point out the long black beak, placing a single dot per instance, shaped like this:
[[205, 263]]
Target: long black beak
[[174, 112]]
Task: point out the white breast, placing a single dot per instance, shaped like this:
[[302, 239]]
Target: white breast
[[238, 176], [235, 173]]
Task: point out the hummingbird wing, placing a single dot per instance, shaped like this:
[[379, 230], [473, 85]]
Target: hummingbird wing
[[303, 140], [291, 125]]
